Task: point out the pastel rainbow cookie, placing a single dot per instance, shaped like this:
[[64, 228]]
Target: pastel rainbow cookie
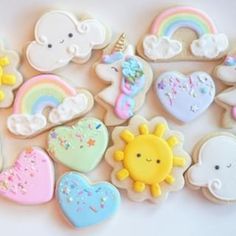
[[159, 45], [41, 92]]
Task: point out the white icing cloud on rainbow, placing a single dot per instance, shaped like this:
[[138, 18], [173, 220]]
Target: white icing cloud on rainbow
[[61, 38], [26, 125], [160, 47], [216, 167], [70, 108], [22, 124], [209, 45]]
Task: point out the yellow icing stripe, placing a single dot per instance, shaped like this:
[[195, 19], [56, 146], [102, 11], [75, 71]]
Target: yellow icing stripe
[[122, 174], [178, 161], [143, 129], [172, 141], [139, 186], [170, 179], [127, 136], [160, 130], [2, 96], [4, 61], [8, 79], [155, 190], [119, 156]]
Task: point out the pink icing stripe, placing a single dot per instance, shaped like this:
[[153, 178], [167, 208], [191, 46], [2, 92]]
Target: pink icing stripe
[[174, 11], [40, 79]]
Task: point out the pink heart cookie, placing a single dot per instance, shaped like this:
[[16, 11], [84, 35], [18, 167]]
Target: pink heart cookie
[[30, 180]]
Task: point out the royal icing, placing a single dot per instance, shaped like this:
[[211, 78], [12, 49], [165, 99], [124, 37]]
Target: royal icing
[[130, 78], [226, 72], [159, 45], [60, 38], [227, 98], [30, 180], [185, 97], [216, 167], [80, 147], [147, 158], [39, 93], [10, 77], [85, 204]]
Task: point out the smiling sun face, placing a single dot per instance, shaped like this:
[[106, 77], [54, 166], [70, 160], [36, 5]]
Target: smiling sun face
[[148, 159]]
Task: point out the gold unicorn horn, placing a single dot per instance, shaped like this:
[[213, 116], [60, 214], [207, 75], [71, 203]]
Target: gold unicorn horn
[[120, 44]]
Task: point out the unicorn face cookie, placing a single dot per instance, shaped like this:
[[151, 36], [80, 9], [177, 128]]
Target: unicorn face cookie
[[185, 97], [214, 170], [10, 77], [80, 147], [129, 78], [85, 204], [30, 180], [148, 159], [60, 38], [170, 37], [38, 94]]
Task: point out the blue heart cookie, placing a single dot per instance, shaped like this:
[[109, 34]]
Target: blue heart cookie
[[84, 204]]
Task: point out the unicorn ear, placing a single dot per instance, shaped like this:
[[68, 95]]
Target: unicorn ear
[[129, 51]]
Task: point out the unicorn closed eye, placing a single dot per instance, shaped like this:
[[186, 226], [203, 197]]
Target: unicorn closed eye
[[129, 78]]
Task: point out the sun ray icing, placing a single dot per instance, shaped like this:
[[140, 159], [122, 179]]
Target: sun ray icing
[[160, 130], [172, 141], [178, 161], [143, 129], [127, 136]]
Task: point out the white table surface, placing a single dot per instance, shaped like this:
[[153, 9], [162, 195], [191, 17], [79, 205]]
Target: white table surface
[[185, 212]]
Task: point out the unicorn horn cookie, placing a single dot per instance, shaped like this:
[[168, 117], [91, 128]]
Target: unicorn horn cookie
[[128, 77], [42, 92], [148, 159], [30, 180], [10, 77], [214, 171], [60, 38], [169, 37]]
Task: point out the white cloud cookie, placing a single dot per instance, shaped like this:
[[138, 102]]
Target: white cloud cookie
[[60, 38]]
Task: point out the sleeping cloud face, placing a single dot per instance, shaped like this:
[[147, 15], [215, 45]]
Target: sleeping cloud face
[[60, 38], [216, 167]]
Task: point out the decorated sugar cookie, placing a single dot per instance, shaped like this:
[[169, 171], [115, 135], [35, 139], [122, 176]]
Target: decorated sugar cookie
[[80, 147], [61, 37], [30, 180], [185, 97], [170, 37], [85, 204], [214, 170], [128, 77], [226, 71], [10, 77], [43, 92], [148, 159]]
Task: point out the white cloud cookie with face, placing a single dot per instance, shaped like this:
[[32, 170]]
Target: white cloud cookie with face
[[215, 169], [60, 38]]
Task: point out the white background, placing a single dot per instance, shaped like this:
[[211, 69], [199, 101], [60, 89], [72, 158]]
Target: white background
[[185, 212]]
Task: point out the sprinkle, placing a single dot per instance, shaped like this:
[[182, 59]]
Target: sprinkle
[[194, 108], [98, 126], [91, 142], [93, 209]]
